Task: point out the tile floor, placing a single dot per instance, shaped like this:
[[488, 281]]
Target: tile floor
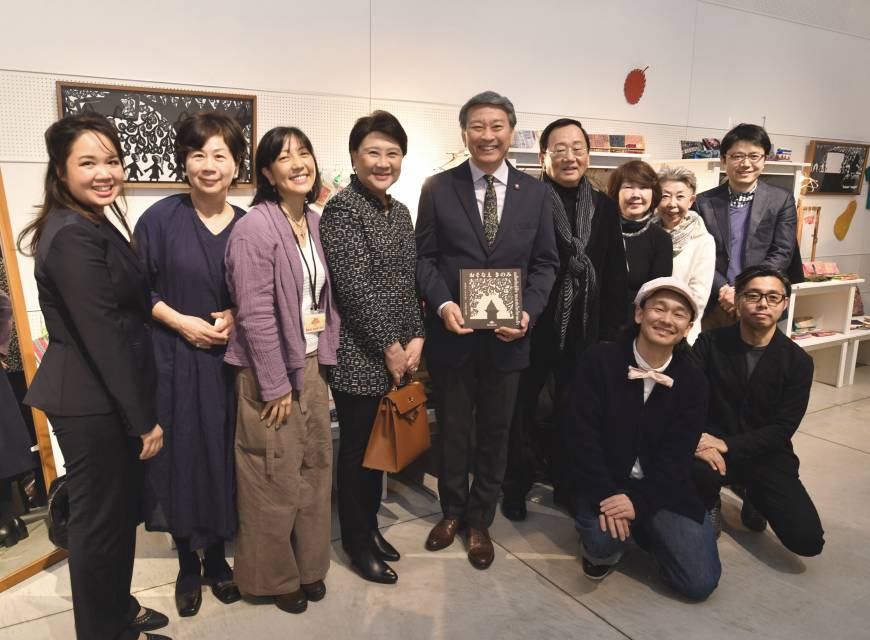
[[535, 588]]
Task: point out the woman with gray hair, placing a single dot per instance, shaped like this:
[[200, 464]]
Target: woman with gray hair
[[694, 248]]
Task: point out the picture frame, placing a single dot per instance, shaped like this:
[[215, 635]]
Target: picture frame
[[838, 167], [146, 117]]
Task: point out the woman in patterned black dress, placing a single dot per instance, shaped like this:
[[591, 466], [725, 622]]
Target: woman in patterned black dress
[[368, 239]]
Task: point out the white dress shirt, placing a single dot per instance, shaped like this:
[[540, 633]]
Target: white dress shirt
[[500, 184]]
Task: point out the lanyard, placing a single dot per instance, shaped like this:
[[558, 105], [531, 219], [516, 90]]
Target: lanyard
[[311, 280]]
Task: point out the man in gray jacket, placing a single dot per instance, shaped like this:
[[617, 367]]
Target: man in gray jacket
[[752, 222]]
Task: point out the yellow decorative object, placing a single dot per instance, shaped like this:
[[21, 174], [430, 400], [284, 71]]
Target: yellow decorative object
[[844, 220]]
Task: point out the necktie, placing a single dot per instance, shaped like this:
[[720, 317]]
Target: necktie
[[490, 211], [634, 373]]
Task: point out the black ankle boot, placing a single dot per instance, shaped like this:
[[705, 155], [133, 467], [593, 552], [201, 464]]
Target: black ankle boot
[[372, 568], [383, 549]]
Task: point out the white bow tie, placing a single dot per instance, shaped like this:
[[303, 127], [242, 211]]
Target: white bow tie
[[634, 374]]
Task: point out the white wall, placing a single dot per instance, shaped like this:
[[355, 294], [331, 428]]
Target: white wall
[[708, 64]]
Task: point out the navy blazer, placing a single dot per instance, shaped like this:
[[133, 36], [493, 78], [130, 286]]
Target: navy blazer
[[450, 237], [770, 232], [607, 426], [94, 296]]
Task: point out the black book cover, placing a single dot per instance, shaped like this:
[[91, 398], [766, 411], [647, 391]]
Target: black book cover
[[491, 298]]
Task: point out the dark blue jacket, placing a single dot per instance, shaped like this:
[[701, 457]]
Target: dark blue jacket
[[607, 426]]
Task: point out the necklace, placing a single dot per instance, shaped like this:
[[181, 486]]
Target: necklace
[[300, 228]]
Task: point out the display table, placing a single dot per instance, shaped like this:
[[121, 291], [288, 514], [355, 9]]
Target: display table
[[830, 304]]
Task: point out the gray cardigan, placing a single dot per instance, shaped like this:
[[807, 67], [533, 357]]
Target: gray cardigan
[[265, 278]]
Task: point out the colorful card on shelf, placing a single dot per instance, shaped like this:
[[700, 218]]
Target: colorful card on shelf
[[599, 142], [491, 298]]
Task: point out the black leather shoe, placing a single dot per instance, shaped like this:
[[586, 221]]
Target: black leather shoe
[[295, 602], [156, 636], [188, 594], [383, 549], [150, 620], [750, 517], [223, 587], [514, 508], [314, 591], [372, 568]]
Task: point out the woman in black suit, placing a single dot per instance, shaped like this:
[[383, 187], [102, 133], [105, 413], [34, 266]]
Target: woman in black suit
[[97, 380]]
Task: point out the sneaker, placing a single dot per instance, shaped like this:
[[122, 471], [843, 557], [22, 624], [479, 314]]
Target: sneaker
[[750, 517], [596, 571], [716, 518]]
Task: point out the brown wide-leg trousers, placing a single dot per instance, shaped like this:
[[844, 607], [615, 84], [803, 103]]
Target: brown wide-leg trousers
[[284, 478]]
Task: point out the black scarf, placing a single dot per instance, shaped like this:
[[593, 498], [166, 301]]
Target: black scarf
[[580, 273]]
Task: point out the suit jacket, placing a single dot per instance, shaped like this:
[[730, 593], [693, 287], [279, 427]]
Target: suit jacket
[[770, 232], [759, 414], [94, 296], [450, 237], [606, 426]]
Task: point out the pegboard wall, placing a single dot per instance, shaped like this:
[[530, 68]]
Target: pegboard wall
[[28, 106]]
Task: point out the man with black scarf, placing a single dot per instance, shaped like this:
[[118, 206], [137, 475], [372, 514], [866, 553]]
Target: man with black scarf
[[587, 305]]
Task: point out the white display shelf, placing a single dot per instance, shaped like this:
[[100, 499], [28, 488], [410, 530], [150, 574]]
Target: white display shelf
[[830, 304], [709, 172], [528, 158]]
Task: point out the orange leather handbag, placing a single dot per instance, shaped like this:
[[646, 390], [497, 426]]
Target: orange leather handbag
[[400, 433]]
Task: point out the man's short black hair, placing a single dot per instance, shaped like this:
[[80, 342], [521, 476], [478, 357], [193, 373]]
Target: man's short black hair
[[557, 124], [743, 132], [760, 271]]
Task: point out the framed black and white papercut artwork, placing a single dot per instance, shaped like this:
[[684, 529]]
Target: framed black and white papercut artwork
[[837, 167], [146, 120]]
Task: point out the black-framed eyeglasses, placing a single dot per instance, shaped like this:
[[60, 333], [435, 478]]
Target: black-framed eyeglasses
[[772, 298], [562, 151], [737, 158]]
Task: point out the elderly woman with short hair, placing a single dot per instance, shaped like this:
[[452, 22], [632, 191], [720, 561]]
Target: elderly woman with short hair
[[694, 250]]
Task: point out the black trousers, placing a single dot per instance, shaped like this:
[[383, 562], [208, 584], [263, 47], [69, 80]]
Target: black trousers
[[104, 481], [474, 402], [359, 489], [774, 488], [535, 439]]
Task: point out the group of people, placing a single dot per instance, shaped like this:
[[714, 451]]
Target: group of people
[[190, 361]]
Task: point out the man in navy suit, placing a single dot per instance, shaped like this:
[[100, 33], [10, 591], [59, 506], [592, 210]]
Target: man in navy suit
[[481, 214]]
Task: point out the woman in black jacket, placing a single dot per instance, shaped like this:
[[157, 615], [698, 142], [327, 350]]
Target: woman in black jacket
[[648, 248], [96, 381]]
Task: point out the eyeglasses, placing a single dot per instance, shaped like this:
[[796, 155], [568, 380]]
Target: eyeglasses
[[562, 152], [772, 298], [737, 158]]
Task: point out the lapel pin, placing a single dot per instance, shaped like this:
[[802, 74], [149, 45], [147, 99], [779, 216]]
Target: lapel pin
[[516, 186]]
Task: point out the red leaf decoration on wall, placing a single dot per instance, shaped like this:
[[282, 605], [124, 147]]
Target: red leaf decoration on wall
[[635, 83]]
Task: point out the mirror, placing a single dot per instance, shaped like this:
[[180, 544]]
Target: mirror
[[27, 464]]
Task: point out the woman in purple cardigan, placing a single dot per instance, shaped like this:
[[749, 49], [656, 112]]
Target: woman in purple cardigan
[[286, 332]]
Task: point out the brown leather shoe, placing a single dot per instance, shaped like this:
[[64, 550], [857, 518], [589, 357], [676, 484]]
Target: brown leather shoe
[[442, 534], [480, 551]]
